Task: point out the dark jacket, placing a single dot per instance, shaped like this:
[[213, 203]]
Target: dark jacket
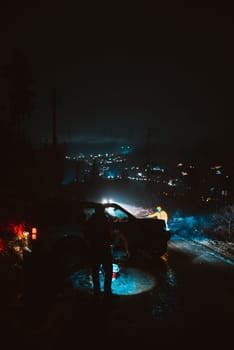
[[98, 234]]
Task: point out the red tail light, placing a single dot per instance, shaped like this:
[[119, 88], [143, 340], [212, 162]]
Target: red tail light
[[34, 233], [2, 245]]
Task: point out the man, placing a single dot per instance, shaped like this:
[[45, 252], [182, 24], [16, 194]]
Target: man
[[98, 236], [160, 214]]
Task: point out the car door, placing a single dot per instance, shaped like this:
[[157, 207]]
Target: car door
[[124, 222]]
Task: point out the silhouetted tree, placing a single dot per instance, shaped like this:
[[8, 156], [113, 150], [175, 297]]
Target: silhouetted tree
[[16, 151], [77, 171], [19, 83], [222, 224], [94, 172], [124, 176]]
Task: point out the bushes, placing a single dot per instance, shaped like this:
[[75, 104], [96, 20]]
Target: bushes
[[221, 225]]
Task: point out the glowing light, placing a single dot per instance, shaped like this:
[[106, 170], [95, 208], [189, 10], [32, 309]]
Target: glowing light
[[115, 269], [157, 168], [110, 211], [171, 183], [105, 201], [34, 236], [2, 245], [17, 229]]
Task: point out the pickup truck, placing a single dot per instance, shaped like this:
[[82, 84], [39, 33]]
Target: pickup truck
[[60, 227]]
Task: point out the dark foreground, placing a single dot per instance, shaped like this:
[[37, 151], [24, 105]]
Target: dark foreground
[[191, 304]]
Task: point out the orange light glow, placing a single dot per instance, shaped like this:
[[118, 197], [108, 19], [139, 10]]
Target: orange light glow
[[17, 229], [34, 236]]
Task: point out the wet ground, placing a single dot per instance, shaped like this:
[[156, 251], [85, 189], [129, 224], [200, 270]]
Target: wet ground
[[186, 297]]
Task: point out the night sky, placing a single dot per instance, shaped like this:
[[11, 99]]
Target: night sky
[[122, 71]]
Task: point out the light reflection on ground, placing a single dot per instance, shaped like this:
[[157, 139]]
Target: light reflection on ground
[[130, 281]]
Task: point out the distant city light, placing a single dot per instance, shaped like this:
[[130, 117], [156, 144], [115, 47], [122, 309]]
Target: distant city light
[[115, 167]]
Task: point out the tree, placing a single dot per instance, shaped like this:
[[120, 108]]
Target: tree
[[19, 82], [94, 172], [124, 176], [222, 223], [16, 151]]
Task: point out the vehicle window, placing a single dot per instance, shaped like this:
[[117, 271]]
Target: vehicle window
[[88, 212], [116, 213]]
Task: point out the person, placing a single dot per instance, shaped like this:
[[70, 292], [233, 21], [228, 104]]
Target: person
[[120, 246], [98, 237], [160, 214]]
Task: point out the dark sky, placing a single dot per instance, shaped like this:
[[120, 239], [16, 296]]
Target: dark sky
[[119, 71]]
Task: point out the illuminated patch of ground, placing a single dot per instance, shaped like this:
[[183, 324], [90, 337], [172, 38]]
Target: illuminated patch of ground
[[130, 281]]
